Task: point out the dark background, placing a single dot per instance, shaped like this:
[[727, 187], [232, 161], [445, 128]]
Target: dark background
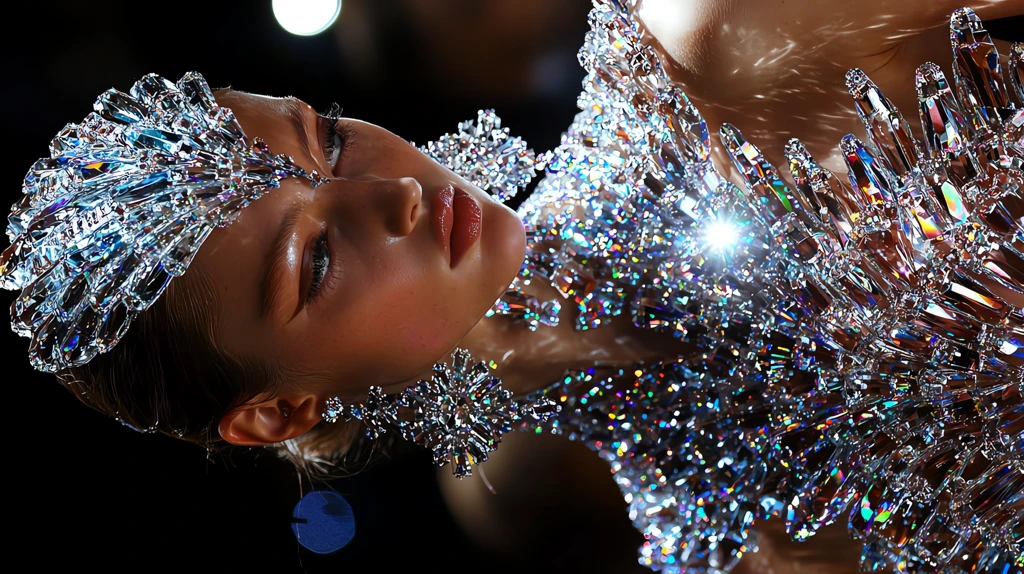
[[86, 492]]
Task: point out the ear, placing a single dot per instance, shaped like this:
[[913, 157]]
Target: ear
[[271, 421]]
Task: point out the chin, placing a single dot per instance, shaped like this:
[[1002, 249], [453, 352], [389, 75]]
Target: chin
[[506, 245]]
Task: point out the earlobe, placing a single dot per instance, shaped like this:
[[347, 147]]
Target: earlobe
[[271, 421]]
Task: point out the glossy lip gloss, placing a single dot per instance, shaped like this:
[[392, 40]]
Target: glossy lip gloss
[[467, 225], [444, 219]]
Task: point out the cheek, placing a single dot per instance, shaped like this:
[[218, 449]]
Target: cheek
[[403, 309], [401, 318], [427, 330], [405, 338], [419, 315]]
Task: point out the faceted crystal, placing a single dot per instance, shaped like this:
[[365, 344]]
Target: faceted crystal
[[979, 80], [459, 414], [854, 347], [111, 188], [484, 153]]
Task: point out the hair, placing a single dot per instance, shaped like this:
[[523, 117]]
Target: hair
[[168, 374]]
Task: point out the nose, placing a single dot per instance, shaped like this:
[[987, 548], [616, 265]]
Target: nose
[[394, 204], [402, 203]]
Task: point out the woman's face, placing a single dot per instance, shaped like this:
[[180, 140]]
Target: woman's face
[[367, 279]]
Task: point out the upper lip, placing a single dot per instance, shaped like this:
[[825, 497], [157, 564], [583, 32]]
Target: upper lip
[[467, 221], [443, 218]]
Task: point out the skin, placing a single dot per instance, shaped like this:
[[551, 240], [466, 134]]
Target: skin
[[390, 285], [776, 70]]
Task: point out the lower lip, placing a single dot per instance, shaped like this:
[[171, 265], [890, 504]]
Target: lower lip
[[457, 223], [466, 226]]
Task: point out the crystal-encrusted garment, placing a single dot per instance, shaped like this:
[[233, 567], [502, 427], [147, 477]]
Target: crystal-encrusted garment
[[855, 355]]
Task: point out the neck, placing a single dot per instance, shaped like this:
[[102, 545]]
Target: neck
[[531, 360], [514, 348]]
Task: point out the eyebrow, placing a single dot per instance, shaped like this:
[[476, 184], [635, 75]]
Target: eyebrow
[[296, 112], [272, 287]]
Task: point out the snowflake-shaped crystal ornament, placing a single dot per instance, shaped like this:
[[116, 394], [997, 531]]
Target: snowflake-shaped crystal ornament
[[120, 207], [483, 152], [459, 414]]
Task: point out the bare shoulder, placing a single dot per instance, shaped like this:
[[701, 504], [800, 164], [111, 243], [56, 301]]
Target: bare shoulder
[[728, 37], [775, 68]]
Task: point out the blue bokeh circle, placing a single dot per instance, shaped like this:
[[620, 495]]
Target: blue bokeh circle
[[323, 522]]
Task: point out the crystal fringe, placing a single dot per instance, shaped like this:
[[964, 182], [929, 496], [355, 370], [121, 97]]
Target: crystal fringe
[[485, 154], [121, 207]]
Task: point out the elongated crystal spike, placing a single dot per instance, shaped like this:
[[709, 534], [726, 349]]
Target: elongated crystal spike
[[978, 76], [866, 174], [768, 188], [945, 128], [883, 122], [1017, 70], [834, 202]]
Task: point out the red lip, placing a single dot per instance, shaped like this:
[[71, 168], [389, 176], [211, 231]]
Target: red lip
[[457, 222], [468, 221], [443, 219]]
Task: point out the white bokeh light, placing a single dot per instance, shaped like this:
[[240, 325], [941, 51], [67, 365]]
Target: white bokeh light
[[306, 17], [721, 235]]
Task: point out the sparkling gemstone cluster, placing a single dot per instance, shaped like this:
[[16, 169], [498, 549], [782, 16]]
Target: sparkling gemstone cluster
[[121, 207], [459, 413], [857, 346]]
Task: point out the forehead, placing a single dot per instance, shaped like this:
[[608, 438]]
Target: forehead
[[271, 118]]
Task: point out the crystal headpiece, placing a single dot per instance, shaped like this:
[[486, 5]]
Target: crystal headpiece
[[459, 414], [120, 207]]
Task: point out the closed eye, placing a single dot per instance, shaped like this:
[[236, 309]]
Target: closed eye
[[336, 137], [320, 265], [333, 143]]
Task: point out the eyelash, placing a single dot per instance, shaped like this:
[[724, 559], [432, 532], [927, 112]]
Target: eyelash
[[331, 120], [322, 272], [334, 128]]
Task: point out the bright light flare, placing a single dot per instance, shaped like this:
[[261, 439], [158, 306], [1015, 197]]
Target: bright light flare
[[722, 235], [306, 17]]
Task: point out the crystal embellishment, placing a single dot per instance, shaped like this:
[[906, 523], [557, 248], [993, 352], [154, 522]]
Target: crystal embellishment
[[855, 343], [483, 152], [121, 207], [459, 414]]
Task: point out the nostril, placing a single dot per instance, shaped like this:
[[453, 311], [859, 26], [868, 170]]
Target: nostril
[[406, 206], [415, 214]]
